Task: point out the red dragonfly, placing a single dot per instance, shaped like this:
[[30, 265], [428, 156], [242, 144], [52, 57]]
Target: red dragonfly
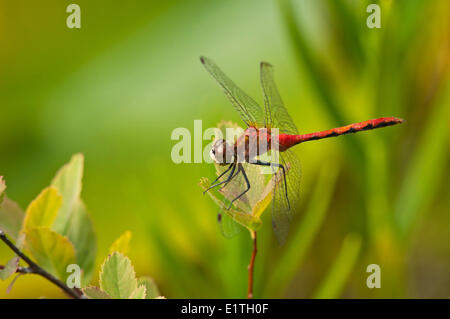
[[260, 125]]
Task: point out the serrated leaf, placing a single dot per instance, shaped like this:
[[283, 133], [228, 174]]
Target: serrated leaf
[[52, 251], [42, 211], [139, 293], [82, 235], [151, 288], [9, 269], [11, 218], [117, 276], [121, 244], [68, 183], [95, 293]]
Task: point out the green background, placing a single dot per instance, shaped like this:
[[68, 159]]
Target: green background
[[116, 88]]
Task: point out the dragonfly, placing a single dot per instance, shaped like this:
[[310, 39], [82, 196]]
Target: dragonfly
[[260, 123]]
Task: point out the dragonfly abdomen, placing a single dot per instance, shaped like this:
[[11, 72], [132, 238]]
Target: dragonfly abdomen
[[287, 141]]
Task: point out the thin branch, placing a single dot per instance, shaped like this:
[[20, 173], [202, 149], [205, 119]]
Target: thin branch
[[35, 269], [251, 266]]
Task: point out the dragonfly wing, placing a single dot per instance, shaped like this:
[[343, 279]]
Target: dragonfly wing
[[276, 115], [285, 206], [249, 111]]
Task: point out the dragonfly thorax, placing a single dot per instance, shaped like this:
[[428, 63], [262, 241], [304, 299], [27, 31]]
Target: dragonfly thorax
[[222, 152]]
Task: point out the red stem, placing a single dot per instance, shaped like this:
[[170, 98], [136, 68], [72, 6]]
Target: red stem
[[251, 266]]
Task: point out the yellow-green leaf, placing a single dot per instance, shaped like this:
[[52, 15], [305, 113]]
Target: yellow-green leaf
[[117, 276], [265, 199], [121, 244], [151, 289], [95, 293], [139, 293], [11, 217], [42, 211], [52, 251], [68, 183], [81, 233]]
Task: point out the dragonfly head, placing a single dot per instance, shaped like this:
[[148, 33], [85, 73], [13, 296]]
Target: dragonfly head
[[222, 152]]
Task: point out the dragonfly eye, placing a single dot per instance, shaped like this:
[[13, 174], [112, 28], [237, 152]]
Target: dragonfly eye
[[213, 154], [221, 152]]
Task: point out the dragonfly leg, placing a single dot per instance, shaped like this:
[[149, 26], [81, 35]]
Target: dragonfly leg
[[258, 162], [225, 181], [223, 173], [229, 180], [241, 169]]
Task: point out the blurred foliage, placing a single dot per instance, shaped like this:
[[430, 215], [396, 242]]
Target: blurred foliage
[[57, 252], [115, 89]]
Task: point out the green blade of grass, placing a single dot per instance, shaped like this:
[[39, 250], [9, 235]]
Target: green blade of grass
[[349, 28], [334, 282], [426, 167], [376, 181]]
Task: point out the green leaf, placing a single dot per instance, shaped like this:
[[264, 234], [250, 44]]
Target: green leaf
[[82, 235], [228, 227], [117, 276], [52, 251], [95, 293], [68, 183], [10, 268], [248, 208], [121, 244], [11, 218], [151, 288], [139, 293], [42, 211], [243, 217]]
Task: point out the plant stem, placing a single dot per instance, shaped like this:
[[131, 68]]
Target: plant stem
[[35, 269], [251, 266]]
